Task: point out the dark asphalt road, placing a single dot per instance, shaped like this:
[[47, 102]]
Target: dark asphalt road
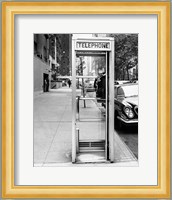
[[130, 136]]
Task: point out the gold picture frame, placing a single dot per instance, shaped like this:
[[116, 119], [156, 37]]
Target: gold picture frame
[[9, 10]]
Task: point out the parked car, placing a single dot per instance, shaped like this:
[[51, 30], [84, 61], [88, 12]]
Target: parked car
[[126, 101], [120, 82], [126, 104]]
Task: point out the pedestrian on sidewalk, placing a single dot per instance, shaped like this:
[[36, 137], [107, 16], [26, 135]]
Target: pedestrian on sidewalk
[[69, 83]]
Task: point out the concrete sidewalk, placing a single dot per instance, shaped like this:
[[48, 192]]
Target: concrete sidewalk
[[53, 130]]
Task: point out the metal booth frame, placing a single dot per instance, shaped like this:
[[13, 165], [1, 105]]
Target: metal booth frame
[[87, 45]]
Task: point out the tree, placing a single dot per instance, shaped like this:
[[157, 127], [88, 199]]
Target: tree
[[80, 67], [126, 54], [79, 71], [99, 63]]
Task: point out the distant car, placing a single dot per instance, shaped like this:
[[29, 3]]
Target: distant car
[[89, 85], [126, 104]]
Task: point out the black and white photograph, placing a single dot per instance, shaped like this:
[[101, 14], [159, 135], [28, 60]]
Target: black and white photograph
[[85, 106]]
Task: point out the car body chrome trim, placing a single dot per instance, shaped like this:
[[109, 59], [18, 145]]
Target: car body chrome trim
[[133, 121], [136, 109]]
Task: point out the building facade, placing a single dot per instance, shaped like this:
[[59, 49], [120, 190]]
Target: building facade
[[52, 58], [41, 62]]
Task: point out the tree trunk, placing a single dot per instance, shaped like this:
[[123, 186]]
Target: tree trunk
[[128, 76]]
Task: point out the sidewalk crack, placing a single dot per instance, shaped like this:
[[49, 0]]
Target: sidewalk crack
[[44, 162]]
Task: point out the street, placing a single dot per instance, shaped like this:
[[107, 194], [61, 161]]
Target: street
[[129, 135]]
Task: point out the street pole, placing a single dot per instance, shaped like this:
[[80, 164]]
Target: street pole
[[83, 84], [50, 71], [55, 50]]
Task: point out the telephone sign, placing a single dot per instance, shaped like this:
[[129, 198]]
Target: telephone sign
[[93, 45]]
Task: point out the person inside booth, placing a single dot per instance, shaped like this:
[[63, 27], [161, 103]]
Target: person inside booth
[[101, 87]]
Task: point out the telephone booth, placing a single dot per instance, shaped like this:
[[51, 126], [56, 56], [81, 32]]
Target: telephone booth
[[92, 116]]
